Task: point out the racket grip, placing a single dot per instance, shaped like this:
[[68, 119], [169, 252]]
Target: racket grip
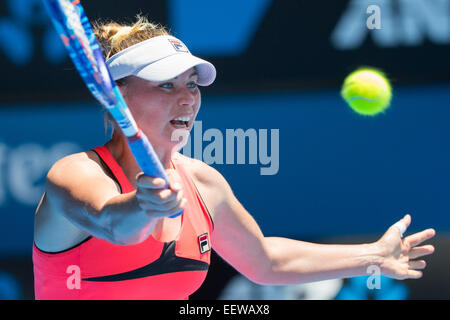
[[147, 159]]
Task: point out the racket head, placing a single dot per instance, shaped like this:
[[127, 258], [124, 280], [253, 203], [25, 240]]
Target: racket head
[[79, 39], [81, 43]]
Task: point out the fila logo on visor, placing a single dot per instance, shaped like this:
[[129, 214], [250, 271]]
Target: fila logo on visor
[[178, 45], [203, 241]]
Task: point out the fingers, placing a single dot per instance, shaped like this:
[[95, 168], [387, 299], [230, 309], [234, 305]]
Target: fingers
[[174, 180], [156, 196], [171, 209], [159, 199], [417, 264], [161, 196], [163, 209], [413, 270], [419, 237], [148, 182], [414, 274], [403, 224], [418, 252]]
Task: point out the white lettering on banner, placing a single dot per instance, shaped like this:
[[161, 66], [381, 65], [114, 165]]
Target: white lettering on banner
[[423, 19], [403, 22], [23, 169]]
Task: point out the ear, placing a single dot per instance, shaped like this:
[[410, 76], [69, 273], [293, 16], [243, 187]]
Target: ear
[[123, 90], [110, 124], [122, 84]]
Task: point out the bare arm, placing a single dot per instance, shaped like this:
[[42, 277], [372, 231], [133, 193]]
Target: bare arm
[[300, 261], [274, 260], [79, 190]]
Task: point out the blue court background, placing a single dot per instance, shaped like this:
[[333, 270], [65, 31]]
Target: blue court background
[[342, 177], [339, 173]]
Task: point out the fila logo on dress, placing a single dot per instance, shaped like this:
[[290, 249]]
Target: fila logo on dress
[[203, 241]]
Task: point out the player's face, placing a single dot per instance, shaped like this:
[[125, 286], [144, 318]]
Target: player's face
[[165, 110]]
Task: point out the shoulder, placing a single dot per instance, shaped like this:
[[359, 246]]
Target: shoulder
[[74, 171], [212, 186], [72, 166], [203, 173], [76, 188]]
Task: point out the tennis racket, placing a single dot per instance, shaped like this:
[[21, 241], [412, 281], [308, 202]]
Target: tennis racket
[[79, 39]]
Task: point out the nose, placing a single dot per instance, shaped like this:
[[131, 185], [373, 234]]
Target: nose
[[186, 98]]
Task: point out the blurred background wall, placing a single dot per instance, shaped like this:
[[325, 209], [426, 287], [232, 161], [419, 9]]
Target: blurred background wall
[[333, 176]]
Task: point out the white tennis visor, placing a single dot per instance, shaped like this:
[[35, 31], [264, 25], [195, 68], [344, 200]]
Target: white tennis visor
[[159, 59]]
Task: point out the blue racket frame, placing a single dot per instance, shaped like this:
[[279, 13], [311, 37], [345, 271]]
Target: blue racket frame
[[76, 32]]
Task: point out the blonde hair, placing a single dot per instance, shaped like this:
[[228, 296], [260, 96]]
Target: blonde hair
[[114, 37]]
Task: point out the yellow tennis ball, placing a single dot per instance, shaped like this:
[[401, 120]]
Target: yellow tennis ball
[[367, 91]]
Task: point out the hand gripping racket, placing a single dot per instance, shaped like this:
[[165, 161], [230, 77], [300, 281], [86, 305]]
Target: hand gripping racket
[[79, 39]]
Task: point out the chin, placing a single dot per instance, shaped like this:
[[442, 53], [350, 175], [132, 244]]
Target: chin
[[179, 139]]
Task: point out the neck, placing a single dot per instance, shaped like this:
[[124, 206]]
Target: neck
[[118, 146]]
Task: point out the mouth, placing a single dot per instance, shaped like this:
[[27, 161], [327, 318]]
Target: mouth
[[181, 122]]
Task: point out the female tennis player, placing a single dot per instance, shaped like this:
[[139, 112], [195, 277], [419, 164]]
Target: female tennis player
[[103, 230]]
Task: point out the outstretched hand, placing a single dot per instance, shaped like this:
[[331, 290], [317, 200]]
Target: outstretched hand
[[399, 256]]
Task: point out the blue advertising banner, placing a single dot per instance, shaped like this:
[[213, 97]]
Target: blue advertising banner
[[32, 138], [303, 164], [269, 44]]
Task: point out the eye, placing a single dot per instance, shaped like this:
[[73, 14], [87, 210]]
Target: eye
[[167, 85], [192, 85]]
